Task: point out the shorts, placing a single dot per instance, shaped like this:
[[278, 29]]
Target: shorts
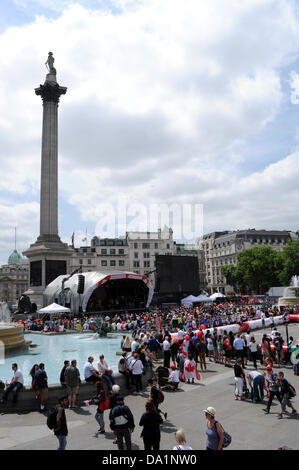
[[42, 394], [72, 390]]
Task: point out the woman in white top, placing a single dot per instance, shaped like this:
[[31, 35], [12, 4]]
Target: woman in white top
[[181, 441], [106, 373], [136, 368]]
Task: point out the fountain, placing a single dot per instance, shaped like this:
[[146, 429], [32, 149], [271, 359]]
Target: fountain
[[291, 294], [11, 335]]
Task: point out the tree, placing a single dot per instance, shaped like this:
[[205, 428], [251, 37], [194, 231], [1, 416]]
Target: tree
[[290, 262], [257, 270]]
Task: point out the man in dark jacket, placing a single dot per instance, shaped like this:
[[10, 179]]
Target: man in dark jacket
[[122, 422], [61, 430]]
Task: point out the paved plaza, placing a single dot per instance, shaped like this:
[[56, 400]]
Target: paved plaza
[[247, 423]]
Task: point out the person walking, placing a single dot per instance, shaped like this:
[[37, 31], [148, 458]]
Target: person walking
[[72, 381], [15, 385], [122, 422], [103, 404], [272, 386], [239, 379], [61, 430], [155, 395], [151, 421], [214, 432], [285, 395], [123, 369], [40, 384]]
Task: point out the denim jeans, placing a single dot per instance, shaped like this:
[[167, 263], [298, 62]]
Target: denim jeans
[[62, 442], [109, 379], [15, 387], [100, 419], [258, 388]]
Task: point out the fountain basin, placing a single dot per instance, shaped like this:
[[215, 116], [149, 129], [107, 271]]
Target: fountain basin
[[12, 337]]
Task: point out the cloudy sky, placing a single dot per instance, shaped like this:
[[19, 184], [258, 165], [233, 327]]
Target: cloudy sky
[[170, 102]]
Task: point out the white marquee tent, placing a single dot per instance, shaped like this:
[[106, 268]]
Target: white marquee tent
[[54, 309]]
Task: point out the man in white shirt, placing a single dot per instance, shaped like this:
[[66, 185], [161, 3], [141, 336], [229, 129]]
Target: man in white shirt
[[89, 371], [15, 385], [166, 352], [239, 345], [174, 378]]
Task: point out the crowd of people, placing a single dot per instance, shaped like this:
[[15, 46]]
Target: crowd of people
[[176, 337]]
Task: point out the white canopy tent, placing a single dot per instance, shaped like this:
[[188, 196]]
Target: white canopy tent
[[191, 299], [216, 295], [54, 309]]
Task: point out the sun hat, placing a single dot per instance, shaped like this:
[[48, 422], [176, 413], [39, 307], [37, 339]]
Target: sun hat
[[210, 410]]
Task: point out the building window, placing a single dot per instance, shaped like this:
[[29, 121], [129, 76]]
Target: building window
[[112, 251], [103, 251], [89, 261], [112, 262], [80, 261], [146, 255], [167, 246], [121, 262], [145, 246], [103, 262], [135, 246], [146, 264], [135, 255], [136, 264], [156, 246], [121, 251]]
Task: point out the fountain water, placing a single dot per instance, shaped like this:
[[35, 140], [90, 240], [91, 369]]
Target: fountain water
[[291, 294]]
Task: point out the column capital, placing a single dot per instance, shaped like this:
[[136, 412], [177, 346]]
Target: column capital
[[50, 92]]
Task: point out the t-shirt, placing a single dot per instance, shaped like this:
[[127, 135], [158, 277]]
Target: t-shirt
[[253, 374], [19, 376], [136, 367], [72, 375], [238, 344], [166, 345], [41, 379], [174, 376], [88, 367]]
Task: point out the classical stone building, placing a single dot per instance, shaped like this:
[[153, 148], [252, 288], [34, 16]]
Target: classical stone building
[[134, 252], [14, 278], [221, 249]]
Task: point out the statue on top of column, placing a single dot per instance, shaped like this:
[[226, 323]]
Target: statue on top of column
[[51, 76]]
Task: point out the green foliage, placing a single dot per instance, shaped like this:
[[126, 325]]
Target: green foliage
[[290, 262], [257, 270]]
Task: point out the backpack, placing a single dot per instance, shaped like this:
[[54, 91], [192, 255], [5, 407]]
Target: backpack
[[292, 391], [227, 438], [52, 418], [160, 396]]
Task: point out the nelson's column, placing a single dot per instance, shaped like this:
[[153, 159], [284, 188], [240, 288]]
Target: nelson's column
[[48, 256]]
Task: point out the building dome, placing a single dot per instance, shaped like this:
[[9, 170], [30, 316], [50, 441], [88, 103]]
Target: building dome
[[15, 257]]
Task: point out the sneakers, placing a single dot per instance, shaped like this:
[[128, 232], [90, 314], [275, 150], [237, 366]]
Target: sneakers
[[294, 412], [279, 416]]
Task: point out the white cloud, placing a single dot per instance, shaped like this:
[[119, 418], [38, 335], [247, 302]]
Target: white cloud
[[158, 98]]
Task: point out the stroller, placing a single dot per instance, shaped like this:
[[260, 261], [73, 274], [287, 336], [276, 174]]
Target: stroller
[[163, 374]]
